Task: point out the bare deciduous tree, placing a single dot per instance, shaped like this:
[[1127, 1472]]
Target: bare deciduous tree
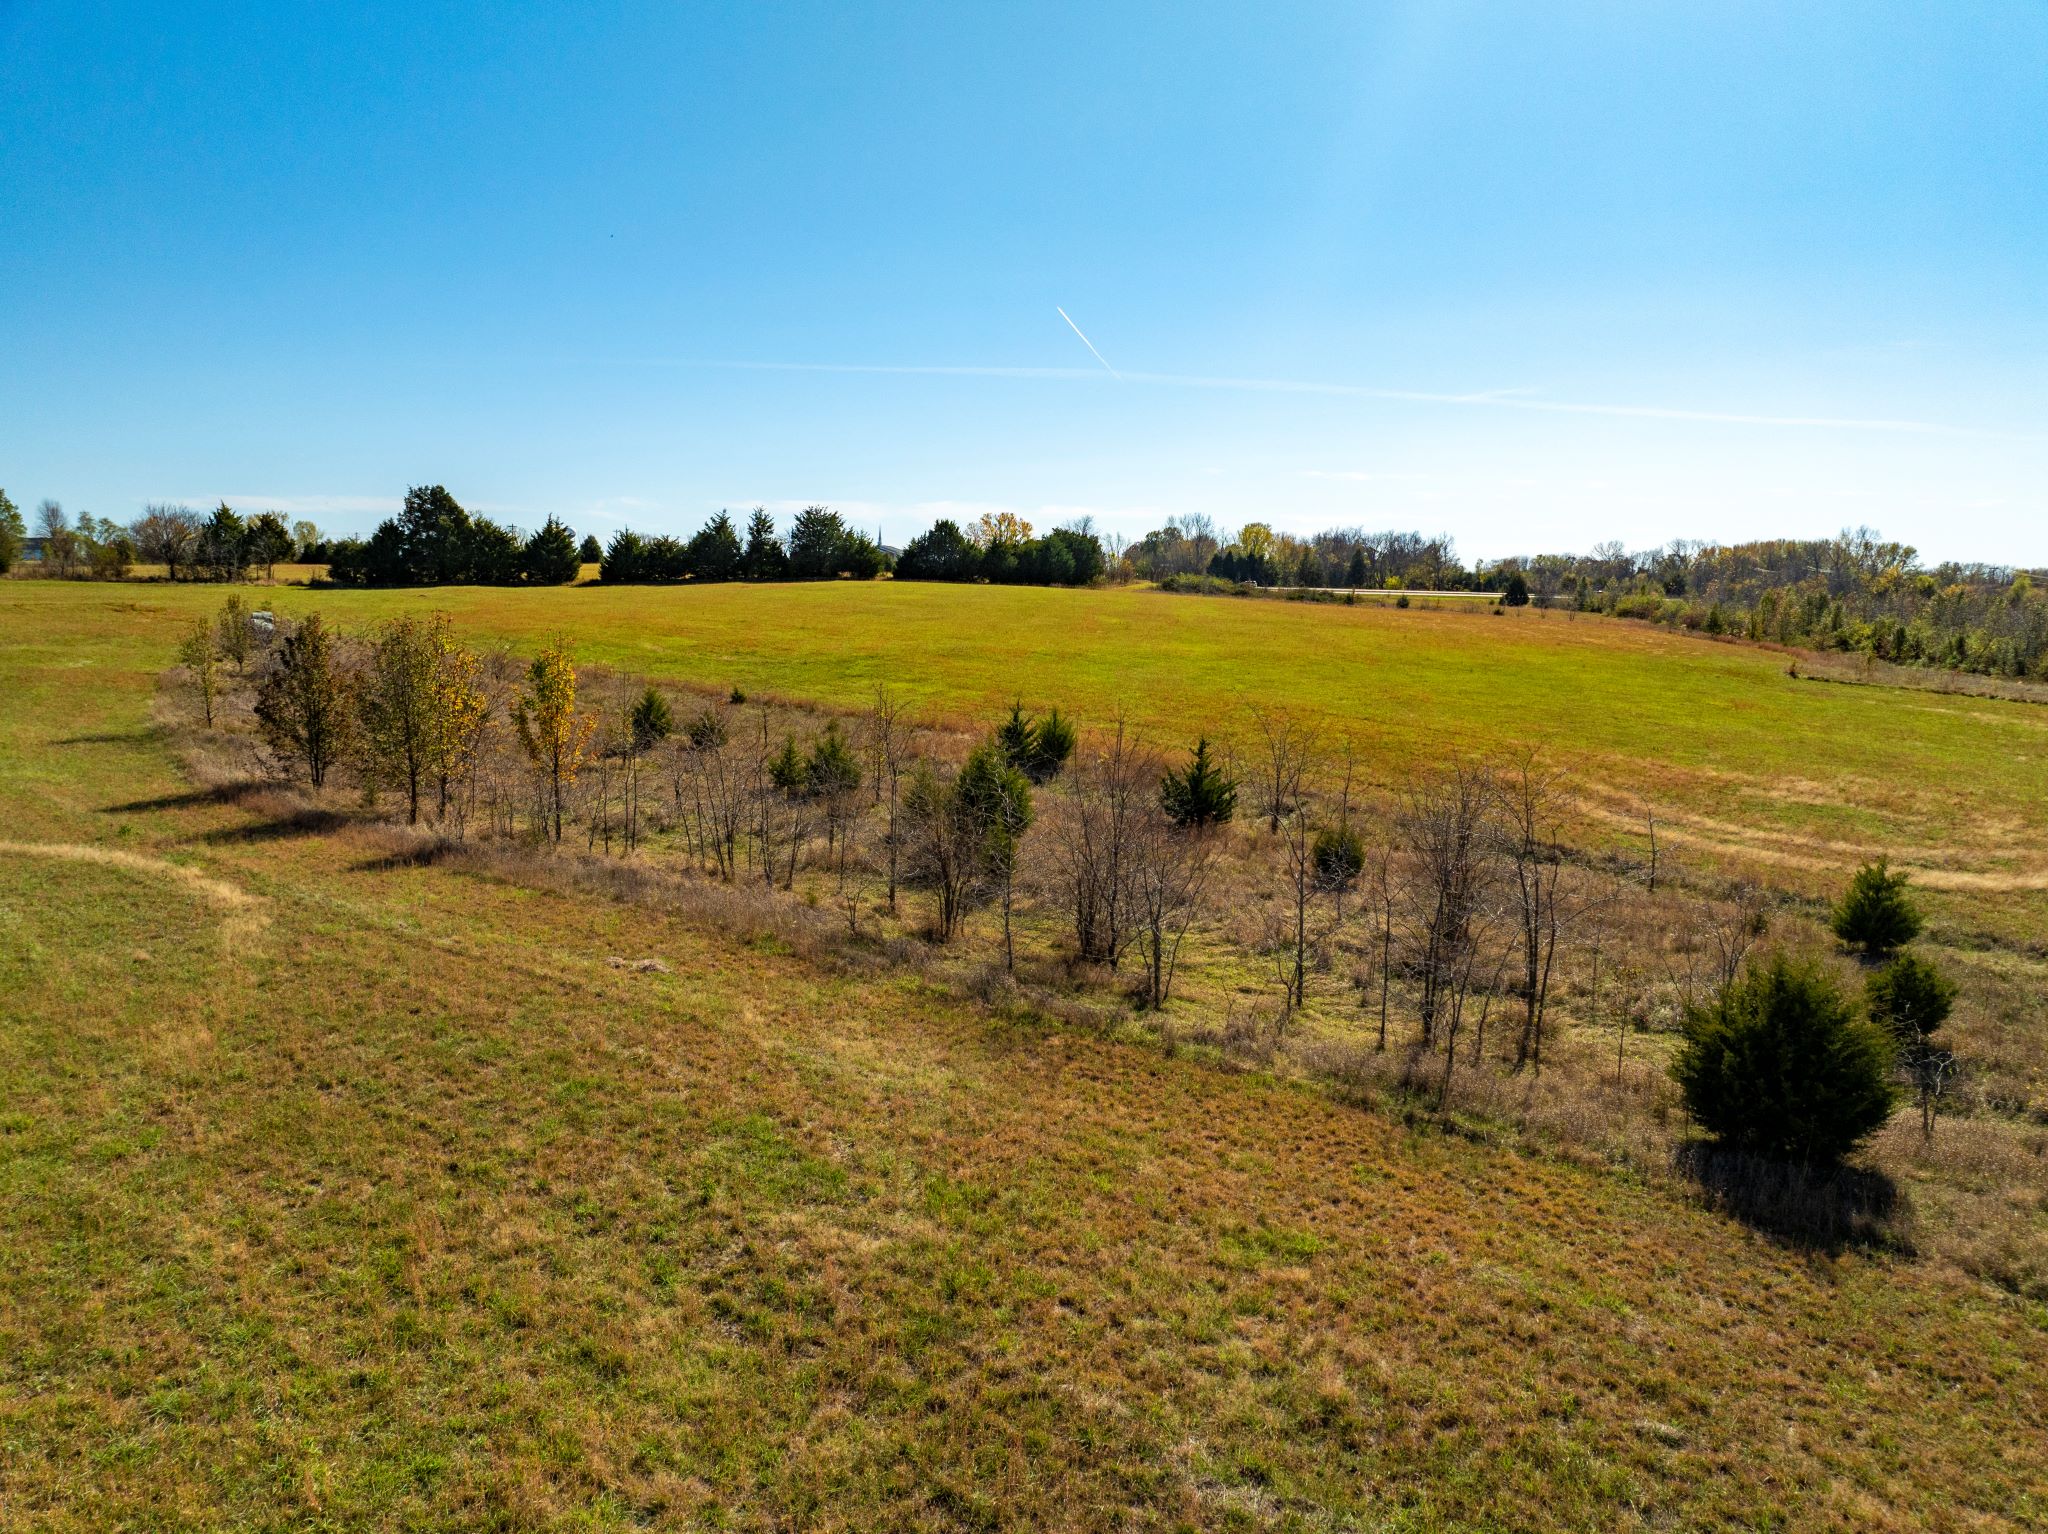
[[1285, 750], [888, 742], [1446, 832], [1527, 793], [1168, 871], [1110, 790]]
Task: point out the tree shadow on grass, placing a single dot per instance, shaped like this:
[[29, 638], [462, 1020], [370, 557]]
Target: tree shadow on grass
[[307, 820], [1828, 1209], [193, 798], [106, 738]]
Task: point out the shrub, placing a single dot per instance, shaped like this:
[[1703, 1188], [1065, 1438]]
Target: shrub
[[1339, 858], [708, 730], [789, 770], [1516, 592], [1038, 748], [1910, 997], [650, 721], [1199, 794], [1779, 1064], [1052, 746], [1875, 913], [832, 770]]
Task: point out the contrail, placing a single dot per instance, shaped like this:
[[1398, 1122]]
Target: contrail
[[1493, 399], [1113, 373]]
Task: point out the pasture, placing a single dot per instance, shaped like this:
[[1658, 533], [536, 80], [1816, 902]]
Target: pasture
[[1742, 764], [340, 1191]]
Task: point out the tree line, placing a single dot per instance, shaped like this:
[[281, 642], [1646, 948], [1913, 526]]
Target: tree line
[[1443, 913], [820, 546], [223, 546], [1000, 549], [1854, 592], [435, 541]]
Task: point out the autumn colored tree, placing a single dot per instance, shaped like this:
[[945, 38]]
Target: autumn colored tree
[[555, 737], [234, 634], [462, 715], [1000, 530], [403, 727], [305, 705], [198, 655]]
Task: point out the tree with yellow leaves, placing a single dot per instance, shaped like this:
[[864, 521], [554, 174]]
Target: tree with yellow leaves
[[1001, 529], [423, 711], [463, 713], [556, 738]]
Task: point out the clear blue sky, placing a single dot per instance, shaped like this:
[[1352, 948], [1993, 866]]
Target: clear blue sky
[[1538, 275]]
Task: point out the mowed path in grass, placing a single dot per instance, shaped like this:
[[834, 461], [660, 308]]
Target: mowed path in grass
[[406, 1208], [1741, 762]]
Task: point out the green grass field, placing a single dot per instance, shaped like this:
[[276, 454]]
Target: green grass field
[[1740, 761], [341, 1195]]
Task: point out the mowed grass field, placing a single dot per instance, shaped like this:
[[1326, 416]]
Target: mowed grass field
[[339, 1195]]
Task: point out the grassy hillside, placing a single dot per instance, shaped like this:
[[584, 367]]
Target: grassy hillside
[[341, 1194]]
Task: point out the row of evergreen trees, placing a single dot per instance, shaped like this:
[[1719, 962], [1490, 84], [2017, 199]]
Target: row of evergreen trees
[[1063, 557], [820, 547], [433, 541]]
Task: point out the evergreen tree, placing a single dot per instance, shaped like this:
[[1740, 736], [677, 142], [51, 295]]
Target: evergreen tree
[[1780, 1065], [1053, 739], [592, 551], [624, 559], [1355, 572], [817, 544], [715, 553], [1516, 593], [1875, 914], [789, 770], [551, 557], [650, 721], [1200, 794], [491, 555], [1038, 748], [944, 553], [269, 541], [223, 545], [433, 535], [1912, 998], [832, 770], [764, 559]]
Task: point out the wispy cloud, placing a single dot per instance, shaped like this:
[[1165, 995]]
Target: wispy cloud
[[1486, 399]]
